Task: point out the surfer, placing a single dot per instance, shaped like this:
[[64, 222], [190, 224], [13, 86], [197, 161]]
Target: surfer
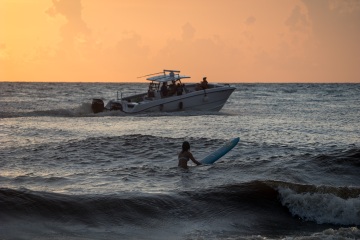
[[185, 155]]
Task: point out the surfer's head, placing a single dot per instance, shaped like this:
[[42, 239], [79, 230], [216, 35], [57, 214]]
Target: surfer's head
[[185, 146]]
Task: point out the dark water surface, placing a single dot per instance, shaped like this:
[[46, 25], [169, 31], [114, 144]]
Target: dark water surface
[[66, 173]]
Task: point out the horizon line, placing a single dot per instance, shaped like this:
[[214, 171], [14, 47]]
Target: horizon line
[[148, 81]]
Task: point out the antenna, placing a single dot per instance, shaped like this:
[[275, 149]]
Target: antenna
[[150, 74]]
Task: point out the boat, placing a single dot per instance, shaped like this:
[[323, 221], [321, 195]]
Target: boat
[[167, 93]]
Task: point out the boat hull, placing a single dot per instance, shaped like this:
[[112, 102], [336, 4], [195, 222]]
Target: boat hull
[[203, 100]]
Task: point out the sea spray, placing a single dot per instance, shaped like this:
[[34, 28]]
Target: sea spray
[[322, 207]]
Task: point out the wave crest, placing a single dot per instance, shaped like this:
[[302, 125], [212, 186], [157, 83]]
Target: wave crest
[[322, 207]]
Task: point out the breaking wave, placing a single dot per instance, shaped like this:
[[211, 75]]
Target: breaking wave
[[331, 205]]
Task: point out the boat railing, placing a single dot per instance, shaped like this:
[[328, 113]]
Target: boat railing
[[117, 95], [131, 97]]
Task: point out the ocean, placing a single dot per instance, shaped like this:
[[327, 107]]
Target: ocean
[[66, 173]]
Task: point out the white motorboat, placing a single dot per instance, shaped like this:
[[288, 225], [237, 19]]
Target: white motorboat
[[168, 93]]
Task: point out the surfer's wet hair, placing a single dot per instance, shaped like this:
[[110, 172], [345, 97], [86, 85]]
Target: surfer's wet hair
[[185, 146]]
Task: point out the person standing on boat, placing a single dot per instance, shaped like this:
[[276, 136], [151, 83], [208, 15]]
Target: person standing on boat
[[185, 155], [204, 83], [164, 90], [172, 88], [172, 75], [179, 89], [151, 93]]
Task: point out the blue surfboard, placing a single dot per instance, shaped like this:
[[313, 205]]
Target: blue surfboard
[[213, 157]]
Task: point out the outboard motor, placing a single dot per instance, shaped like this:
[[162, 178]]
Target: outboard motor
[[97, 105], [115, 106]]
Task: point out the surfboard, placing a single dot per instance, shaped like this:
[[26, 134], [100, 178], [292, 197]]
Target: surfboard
[[217, 154]]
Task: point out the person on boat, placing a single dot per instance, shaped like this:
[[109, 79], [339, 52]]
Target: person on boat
[[185, 155], [172, 75], [164, 90], [151, 93], [202, 85], [179, 89], [172, 88]]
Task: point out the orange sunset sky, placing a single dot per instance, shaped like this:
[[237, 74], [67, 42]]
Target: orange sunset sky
[[225, 40]]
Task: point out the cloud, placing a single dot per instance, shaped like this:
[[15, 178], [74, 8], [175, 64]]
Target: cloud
[[71, 9], [335, 37], [250, 20], [131, 47], [75, 31], [344, 6], [188, 32], [331, 21], [199, 56], [298, 20]]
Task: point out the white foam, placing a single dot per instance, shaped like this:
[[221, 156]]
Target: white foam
[[331, 234], [84, 109], [322, 207]]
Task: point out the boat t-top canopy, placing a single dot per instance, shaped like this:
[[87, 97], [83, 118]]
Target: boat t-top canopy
[[168, 75]]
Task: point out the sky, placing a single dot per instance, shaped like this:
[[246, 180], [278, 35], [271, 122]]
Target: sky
[[227, 41]]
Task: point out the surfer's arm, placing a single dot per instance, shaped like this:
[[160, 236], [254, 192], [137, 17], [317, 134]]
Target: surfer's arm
[[194, 160]]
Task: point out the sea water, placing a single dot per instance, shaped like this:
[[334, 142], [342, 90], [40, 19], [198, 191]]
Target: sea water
[[66, 173]]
